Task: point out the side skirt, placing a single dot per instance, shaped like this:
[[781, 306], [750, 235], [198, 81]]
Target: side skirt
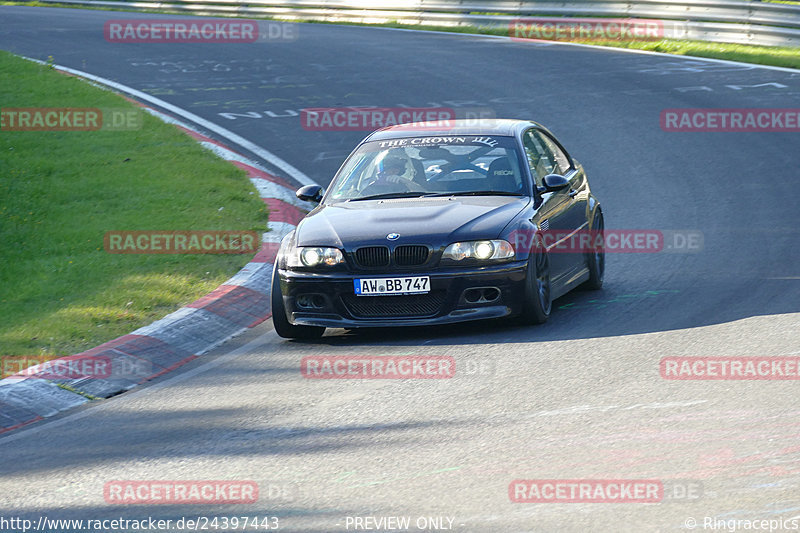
[[568, 282]]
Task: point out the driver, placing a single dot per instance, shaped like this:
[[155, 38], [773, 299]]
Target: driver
[[391, 169], [389, 177]]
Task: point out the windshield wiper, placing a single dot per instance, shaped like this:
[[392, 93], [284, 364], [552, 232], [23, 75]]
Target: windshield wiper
[[410, 194], [479, 193]]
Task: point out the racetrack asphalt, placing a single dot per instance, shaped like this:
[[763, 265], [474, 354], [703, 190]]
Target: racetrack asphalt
[[580, 397]]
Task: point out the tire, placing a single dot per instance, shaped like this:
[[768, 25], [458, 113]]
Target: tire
[[538, 303], [282, 326], [597, 259]]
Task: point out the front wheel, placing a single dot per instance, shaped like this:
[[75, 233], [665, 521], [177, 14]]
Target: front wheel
[[537, 306], [282, 326]]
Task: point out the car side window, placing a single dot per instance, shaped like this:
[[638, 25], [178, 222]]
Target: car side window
[[560, 160], [539, 160]]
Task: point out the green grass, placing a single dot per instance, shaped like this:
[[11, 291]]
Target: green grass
[[60, 292]]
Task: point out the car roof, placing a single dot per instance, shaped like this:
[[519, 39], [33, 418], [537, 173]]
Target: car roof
[[494, 126]]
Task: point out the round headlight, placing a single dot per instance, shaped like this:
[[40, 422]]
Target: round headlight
[[310, 257], [484, 249]]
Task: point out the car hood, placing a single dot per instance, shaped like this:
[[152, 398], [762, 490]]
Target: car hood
[[434, 221]]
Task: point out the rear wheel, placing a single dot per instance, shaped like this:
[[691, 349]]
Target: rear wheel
[[282, 326], [597, 259], [538, 304]]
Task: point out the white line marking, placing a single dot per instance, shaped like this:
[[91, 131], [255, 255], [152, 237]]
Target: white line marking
[[278, 231], [223, 153], [191, 117], [268, 189]]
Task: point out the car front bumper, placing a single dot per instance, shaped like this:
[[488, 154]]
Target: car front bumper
[[456, 295]]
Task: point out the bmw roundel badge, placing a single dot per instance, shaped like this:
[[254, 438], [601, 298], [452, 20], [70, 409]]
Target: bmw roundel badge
[[393, 236]]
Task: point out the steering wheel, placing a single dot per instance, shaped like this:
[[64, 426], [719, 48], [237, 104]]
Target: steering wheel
[[378, 186]]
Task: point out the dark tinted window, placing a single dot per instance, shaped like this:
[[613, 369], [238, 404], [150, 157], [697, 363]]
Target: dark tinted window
[[544, 156]]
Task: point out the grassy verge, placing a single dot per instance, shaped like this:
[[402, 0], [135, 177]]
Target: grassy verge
[[760, 55], [60, 292]]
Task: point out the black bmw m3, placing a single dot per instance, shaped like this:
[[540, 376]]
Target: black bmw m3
[[429, 224]]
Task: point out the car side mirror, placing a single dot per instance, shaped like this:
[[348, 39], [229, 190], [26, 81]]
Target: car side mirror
[[555, 182], [310, 193]]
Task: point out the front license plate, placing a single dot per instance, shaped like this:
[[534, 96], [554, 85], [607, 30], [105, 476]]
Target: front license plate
[[381, 286]]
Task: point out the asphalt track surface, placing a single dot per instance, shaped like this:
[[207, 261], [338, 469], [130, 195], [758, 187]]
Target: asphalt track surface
[[580, 397]]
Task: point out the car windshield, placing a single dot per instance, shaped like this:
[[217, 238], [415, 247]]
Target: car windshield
[[431, 166]]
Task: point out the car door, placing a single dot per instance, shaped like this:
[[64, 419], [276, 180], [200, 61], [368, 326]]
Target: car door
[[576, 197], [578, 191], [554, 213]]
